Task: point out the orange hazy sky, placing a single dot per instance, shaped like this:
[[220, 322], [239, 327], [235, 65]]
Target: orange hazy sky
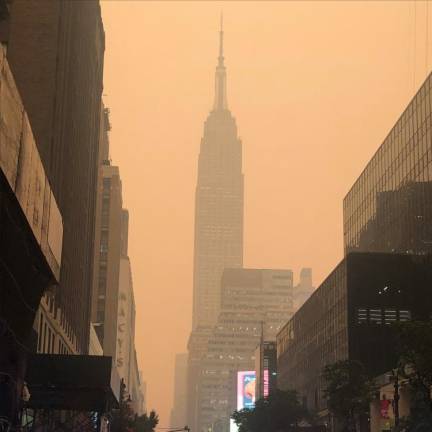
[[314, 86]]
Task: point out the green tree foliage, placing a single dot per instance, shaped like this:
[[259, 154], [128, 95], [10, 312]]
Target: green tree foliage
[[124, 420], [145, 423], [349, 391], [415, 365], [281, 411]]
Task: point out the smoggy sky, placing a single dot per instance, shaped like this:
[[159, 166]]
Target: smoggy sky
[[314, 86]]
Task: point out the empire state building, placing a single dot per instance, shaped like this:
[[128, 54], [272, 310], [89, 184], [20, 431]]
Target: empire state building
[[218, 204]]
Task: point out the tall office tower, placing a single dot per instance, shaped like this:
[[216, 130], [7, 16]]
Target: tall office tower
[[304, 288], [109, 244], [107, 261], [178, 412], [197, 347], [218, 204], [255, 304], [55, 50], [218, 222], [389, 207]]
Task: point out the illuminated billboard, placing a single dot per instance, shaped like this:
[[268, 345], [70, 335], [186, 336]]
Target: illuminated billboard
[[246, 382], [246, 389], [266, 382]]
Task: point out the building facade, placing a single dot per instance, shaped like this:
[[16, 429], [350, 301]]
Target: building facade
[[197, 348], [126, 314], [349, 316], [254, 305], [95, 348], [113, 308], [55, 335], [178, 413], [31, 233], [389, 207], [56, 51], [106, 288], [135, 387]]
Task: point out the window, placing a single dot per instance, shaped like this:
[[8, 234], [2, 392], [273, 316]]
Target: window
[[404, 315], [375, 316], [44, 338], [378, 316], [40, 332], [362, 316], [390, 316]]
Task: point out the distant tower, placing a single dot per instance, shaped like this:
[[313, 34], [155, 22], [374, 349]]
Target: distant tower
[[218, 226], [178, 412], [218, 203], [304, 289]]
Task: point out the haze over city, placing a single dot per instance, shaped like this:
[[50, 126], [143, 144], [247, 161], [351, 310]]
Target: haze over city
[[314, 87], [215, 216]]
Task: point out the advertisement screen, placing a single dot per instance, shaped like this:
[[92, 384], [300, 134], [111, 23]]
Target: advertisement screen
[[266, 383], [246, 389]]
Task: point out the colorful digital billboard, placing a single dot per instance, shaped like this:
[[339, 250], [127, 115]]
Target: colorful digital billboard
[[246, 381], [266, 382]]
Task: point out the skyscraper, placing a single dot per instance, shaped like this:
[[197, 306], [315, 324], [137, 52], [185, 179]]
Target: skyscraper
[[255, 303], [56, 54], [218, 204], [218, 223]]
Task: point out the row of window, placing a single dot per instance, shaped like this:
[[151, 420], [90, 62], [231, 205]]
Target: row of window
[[48, 342], [382, 316]]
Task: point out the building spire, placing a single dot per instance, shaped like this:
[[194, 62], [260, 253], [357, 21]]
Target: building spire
[[220, 102], [221, 56]]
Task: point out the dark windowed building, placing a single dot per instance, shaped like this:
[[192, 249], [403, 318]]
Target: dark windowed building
[[389, 207], [56, 53], [349, 316]]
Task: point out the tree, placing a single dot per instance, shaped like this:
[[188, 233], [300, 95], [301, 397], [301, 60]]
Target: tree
[[349, 391], [146, 423], [122, 418], [415, 365], [280, 411]]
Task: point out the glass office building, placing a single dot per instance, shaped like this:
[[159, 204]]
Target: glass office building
[[389, 209], [349, 316]]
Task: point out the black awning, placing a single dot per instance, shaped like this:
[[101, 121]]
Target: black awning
[[72, 382]]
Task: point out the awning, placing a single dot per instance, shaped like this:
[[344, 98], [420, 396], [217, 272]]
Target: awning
[[72, 382]]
